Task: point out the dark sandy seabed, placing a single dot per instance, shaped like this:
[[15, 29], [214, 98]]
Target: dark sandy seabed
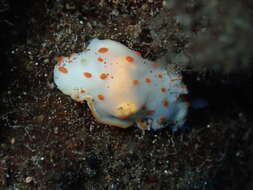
[[48, 141]]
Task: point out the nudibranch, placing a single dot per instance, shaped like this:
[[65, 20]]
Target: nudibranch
[[122, 88]]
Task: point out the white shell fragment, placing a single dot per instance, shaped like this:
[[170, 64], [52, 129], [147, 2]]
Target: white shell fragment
[[121, 87]]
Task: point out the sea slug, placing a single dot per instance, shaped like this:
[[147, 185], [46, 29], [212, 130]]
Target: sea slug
[[122, 88]]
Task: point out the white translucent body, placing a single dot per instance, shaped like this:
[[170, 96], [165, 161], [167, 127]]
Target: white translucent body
[[134, 90]]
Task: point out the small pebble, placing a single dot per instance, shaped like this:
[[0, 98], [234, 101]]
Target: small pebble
[[28, 179]]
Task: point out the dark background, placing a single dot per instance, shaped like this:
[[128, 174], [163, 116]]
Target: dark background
[[47, 141]]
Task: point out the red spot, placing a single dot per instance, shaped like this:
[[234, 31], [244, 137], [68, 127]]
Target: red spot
[[148, 80], [162, 119], [82, 91], [100, 59], [103, 76], [137, 53], [60, 60], [87, 75], [175, 79], [165, 103], [163, 89], [63, 70], [130, 59], [101, 97], [160, 76], [135, 82], [103, 50]]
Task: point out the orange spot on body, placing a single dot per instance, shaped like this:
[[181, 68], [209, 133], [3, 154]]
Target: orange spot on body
[[100, 59], [148, 80], [165, 103], [87, 75], [162, 119], [103, 76], [101, 97], [163, 90], [63, 70], [60, 60], [135, 82], [150, 112], [82, 91], [137, 53], [175, 79], [160, 76], [130, 59], [103, 50]]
